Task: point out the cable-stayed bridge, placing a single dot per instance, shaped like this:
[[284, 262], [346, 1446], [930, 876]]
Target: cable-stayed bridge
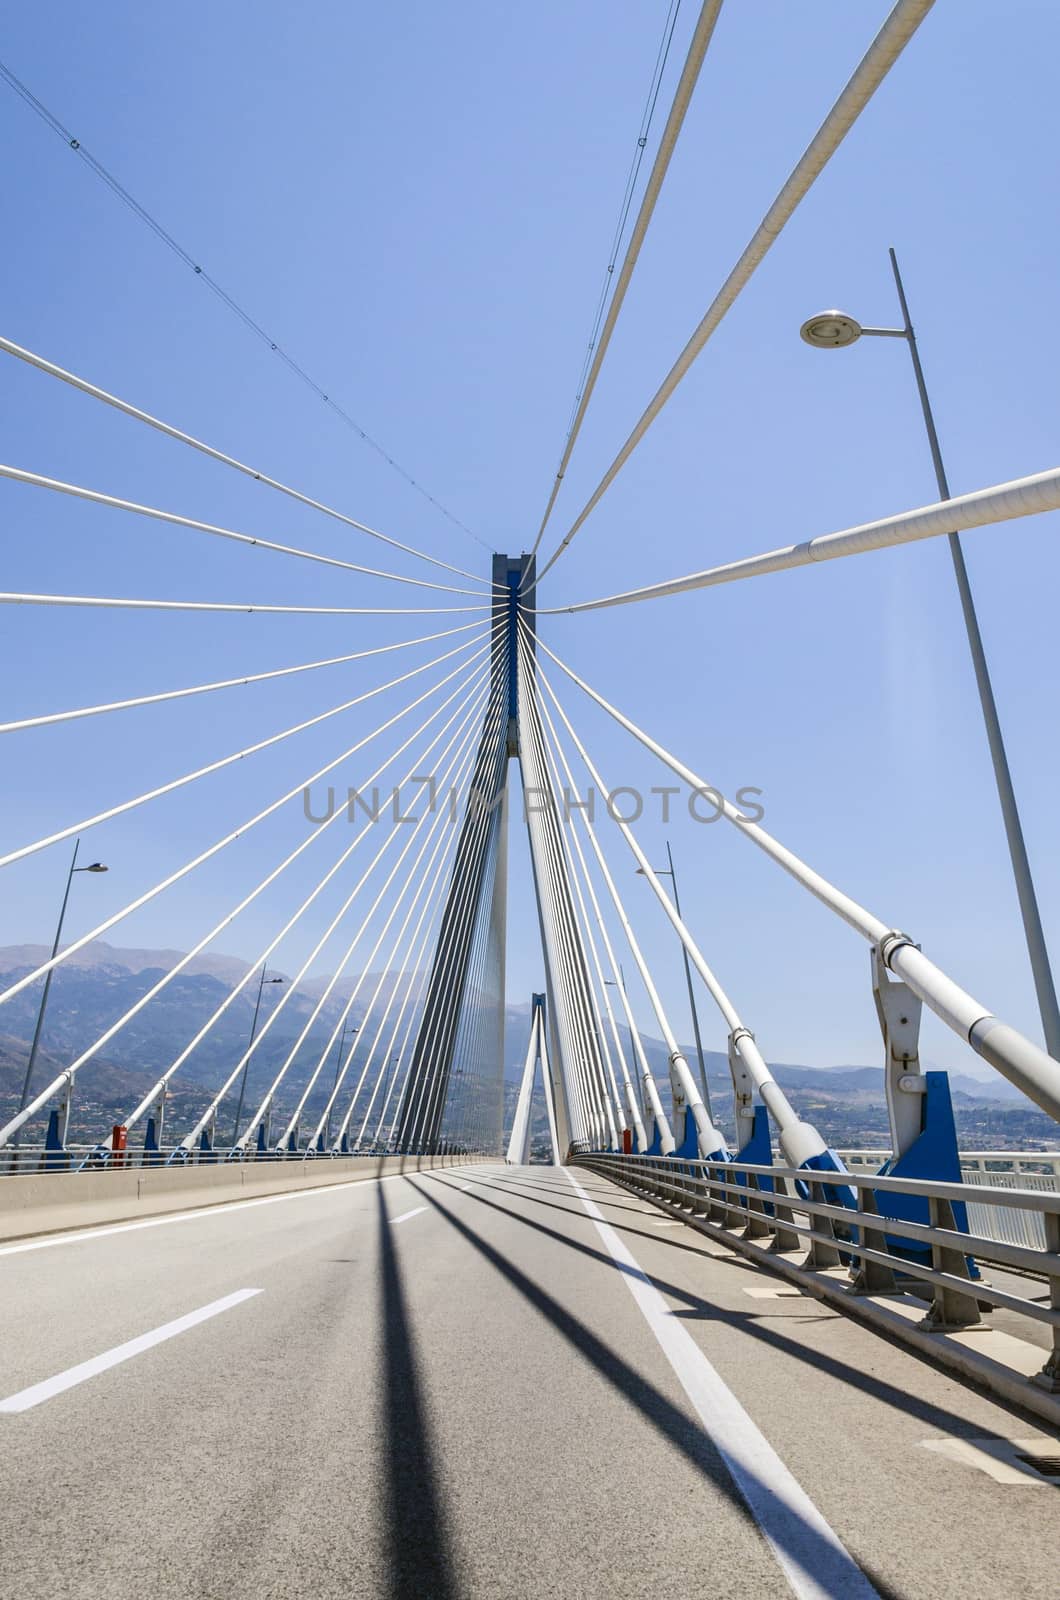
[[345, 1338]]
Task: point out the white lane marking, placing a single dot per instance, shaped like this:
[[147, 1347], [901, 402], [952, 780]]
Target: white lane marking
[[463, 1185], [998, 1458], [405, 1215], [810, 1554], [223, 1208], [771, 1293], [25, 1399]]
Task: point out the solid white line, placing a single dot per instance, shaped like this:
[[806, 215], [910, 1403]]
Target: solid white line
[[463, 1185], [810, 1555], [222, 1208], [405, 1215], [39, 1392]]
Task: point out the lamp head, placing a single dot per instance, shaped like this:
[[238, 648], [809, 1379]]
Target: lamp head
[[97, 866], [831, 330]]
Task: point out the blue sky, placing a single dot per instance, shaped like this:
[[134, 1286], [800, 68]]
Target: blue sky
[[419, 201]]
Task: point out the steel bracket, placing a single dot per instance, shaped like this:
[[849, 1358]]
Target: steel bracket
[[742, 1089], [899, 1011]]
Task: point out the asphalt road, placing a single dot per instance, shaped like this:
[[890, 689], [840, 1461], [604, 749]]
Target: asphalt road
[[459, 1384]]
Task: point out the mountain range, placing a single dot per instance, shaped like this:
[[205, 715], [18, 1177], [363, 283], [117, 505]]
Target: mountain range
[[100, 982]]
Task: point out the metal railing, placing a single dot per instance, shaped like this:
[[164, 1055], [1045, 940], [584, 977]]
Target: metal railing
[[74, 1159], [837, 1218], [999, 1169]]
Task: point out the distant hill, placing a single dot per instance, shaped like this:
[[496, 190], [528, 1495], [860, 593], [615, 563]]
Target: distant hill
[[101, 982]]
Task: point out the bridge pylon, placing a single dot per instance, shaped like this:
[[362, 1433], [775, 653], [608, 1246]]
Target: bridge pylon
[[454, 1093]]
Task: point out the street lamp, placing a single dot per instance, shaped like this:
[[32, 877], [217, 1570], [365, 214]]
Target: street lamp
[[613, 983], [668, 872], [96, 866], [834, 330], [335, 1085], [250, 1041]]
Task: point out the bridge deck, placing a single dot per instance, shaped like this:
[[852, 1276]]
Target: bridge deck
[[471, 1402]]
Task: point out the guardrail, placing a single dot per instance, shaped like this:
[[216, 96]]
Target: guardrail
[[22, 1160], [870, 1263], [1044, 1162], [999, 1169]]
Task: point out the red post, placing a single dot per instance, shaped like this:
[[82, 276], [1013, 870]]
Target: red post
[[627, 1142], [118, 1137]]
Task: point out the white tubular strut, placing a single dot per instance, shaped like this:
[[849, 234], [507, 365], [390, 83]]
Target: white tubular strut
[[1023, 497], [1019, 1060]]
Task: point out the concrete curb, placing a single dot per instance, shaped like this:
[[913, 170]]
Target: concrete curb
[[42, 1203]]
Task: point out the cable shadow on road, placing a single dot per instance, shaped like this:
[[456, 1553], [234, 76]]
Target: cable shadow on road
[[696, 1308], [574, 1210], [801, 1540], [419, 1547]]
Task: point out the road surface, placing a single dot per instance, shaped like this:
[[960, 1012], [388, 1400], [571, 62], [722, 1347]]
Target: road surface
[[467, 1384]]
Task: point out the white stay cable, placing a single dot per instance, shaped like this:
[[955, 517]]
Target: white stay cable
[[606, 1103], [116, 603], [685, 1089], [212, 850], [264, 1108], [418, 967], [1020, 1060], [401, 1075], [650, 1088], [37, 481], [228, 683], [572, 972], [1022, 497], [262, 958], [435, 865], [581, 875], [792, 1131], [701, 38], [43, 365], [880, 57], [456, 922], [68, 1074], [430, 880], [462, 739], [226, 761]]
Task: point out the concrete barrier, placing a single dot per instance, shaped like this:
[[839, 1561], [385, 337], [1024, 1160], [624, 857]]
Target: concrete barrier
[[41, 1203]]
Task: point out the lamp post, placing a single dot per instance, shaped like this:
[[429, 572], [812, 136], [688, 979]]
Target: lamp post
[[96, 866], [835, 330], [335, 1085], [613, 983], [386, 1081], [668, 872], [250, 1041]]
